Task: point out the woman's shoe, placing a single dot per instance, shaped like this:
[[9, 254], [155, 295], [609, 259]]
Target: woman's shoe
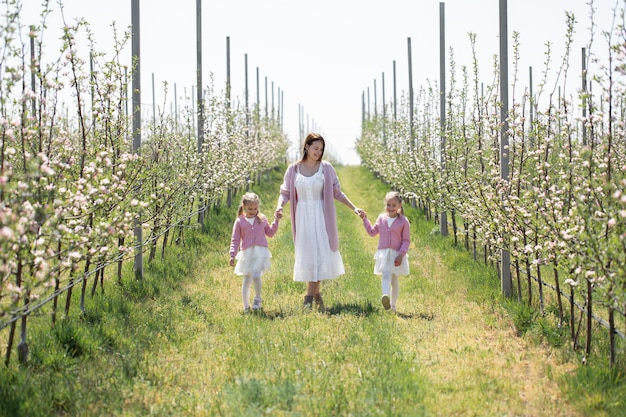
[[319, 303], [308, 302]]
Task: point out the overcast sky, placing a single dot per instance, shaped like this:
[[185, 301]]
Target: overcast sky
[[324, 54]]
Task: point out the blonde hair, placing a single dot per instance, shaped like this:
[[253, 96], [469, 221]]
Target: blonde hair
[[395, 194], [250, 198]]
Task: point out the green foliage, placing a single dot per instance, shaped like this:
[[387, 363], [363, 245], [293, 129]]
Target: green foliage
[[524, 316], [72, 339], [599, 391]]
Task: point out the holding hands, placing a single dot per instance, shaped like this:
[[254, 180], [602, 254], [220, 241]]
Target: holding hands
[[278, 213]]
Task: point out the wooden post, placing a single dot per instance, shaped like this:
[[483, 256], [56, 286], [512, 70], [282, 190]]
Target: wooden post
[[443, 220], [384, 111], [395, 95], [505, 256], [584, 105], [411, 105], [138, 262]]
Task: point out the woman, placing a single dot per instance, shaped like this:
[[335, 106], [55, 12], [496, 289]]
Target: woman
[[312, 186]]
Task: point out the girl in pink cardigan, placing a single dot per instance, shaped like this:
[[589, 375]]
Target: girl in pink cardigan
[[394, 238], [249, 235]]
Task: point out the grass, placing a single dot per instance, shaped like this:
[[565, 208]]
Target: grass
[[177, 343]]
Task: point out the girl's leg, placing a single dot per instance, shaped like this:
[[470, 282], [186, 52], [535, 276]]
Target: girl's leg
[[386, 284], [256, 279], [395, 290], [245, 291]]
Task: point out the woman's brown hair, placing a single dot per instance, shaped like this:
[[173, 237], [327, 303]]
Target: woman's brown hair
[[312, 137]]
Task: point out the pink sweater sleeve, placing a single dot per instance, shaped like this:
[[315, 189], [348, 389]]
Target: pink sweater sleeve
[[371, 230], [271, 229], [235, 239], [406, 237]]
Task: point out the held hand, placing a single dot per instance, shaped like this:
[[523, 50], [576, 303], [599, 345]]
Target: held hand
[[232, 262], [278, 213], [363, 214], [358, 211]]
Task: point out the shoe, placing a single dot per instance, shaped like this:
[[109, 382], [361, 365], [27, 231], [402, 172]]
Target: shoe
[[308, 302], [246, 309], [319, 303], [256, 304], [386, 302]]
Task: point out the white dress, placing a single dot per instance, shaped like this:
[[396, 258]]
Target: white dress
[[314, 260]]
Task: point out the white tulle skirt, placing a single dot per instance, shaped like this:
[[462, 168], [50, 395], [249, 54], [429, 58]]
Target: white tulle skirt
[[384, 262], [255, 259]]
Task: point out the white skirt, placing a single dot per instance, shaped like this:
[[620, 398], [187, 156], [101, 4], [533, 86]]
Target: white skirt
[[384, 262], [314, 260], [255, 259]]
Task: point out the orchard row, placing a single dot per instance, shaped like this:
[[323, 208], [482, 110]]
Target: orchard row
[[560, 213], [73, 191]]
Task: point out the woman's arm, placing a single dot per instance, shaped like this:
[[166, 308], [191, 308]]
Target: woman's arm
[[339, 195], [285, 191]]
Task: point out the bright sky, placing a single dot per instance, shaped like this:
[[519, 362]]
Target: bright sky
[[324, 54]]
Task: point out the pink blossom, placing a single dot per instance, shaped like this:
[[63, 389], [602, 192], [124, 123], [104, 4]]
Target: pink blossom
[[6, 233]]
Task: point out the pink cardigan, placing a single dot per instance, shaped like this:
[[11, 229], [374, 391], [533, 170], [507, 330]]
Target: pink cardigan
[[332, 190], [397, 237], [246, 235]]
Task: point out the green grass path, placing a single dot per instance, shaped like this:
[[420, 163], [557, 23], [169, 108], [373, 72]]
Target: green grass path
[[466, 351], [177, 343], [448, 352]]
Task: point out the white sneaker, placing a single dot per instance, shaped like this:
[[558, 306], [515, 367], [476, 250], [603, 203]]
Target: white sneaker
[[386, 302], [256, 304]]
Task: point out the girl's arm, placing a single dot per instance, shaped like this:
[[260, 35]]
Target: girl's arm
[[271, 229], [405, 237], [405, 241], [371, 230], [235, 240]]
